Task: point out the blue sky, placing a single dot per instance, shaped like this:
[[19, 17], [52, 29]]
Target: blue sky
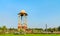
[[40, 12]]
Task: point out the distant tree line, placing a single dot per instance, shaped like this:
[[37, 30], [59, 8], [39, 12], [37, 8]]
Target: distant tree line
[[4, 29]]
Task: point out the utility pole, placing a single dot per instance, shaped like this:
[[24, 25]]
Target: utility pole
[[46, 27]]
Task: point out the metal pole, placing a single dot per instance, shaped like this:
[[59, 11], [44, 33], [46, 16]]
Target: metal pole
[[46, 27]]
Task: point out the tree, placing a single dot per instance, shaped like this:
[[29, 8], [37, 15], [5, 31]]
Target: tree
[[4, 28], [59, 28], [49, 29], [0, 28], [54, 29]]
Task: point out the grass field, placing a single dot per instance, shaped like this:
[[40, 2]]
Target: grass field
[[30, 35]]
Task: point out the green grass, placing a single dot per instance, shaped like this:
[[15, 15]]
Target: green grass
[[31, 35]]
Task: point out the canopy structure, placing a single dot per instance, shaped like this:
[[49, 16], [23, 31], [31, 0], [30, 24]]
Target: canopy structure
[[22, 13]]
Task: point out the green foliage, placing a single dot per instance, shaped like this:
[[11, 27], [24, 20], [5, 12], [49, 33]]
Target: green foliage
[[49, 29], [0, 28], [59, 28], [4, 28]]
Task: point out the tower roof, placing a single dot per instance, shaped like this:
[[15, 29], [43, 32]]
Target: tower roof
[[22, 12]]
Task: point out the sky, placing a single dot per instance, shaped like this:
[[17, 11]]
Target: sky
[[40, 13]]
